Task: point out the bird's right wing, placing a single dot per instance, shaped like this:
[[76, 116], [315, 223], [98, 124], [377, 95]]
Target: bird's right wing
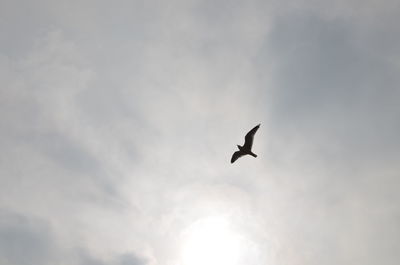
[[236, 155], [248, 139]]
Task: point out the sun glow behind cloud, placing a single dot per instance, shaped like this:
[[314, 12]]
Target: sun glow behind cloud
[[212, 241]]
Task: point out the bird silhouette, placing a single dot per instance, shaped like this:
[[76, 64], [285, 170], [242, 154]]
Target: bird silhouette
[[246, 148]]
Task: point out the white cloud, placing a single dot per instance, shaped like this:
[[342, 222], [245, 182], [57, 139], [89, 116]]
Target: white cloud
[[118, 121]]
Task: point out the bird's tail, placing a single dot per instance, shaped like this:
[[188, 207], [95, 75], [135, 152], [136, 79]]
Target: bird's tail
[[252, 154]]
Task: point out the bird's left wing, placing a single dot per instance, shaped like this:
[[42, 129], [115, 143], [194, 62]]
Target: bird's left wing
[[236, 155]]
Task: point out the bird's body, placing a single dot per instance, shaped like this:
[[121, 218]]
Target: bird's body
[[246, 148]]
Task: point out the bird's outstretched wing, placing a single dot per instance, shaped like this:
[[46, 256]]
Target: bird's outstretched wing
[[236, 155], [248, 139]]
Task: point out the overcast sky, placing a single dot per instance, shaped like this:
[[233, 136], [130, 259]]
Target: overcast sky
[[118, 120]]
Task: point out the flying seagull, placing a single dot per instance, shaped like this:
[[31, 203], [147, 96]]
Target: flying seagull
[[246, 148]]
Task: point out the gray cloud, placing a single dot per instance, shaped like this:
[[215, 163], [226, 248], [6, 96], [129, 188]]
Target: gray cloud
[[333, 110], [122, 259], [27, 240], [24, 240], [117, 123]]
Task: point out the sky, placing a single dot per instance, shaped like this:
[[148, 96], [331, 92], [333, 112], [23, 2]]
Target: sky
[[118, 120]]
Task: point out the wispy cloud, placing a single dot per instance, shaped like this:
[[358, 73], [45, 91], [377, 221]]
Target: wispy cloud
[[117, 123]]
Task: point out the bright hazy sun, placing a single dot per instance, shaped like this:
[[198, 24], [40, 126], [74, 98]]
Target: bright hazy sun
[[211, 241]]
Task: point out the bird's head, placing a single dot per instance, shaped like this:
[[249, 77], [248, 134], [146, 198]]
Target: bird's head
[[240, 147]]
